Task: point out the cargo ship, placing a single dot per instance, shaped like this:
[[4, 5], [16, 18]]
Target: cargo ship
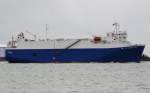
[[114, 47]]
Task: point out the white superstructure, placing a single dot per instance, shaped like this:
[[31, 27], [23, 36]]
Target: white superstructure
[[111, 40]]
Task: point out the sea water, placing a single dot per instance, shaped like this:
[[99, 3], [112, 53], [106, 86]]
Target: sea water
[[75, 78]]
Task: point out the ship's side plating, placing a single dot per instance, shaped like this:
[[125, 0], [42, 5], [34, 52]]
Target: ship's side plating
[[121, 54], [113, 47]]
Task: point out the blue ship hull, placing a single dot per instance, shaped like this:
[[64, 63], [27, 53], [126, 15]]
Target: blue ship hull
[[122, 54]]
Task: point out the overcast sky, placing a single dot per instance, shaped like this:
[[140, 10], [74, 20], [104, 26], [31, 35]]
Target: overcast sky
[[76, 18]]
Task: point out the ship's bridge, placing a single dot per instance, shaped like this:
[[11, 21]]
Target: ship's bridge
[[117, 35]]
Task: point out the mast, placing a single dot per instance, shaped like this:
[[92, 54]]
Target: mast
[[12, 44], [117, 27], [46, 30]]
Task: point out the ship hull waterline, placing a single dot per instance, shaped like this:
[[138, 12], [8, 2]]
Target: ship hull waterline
[[99, 55]]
